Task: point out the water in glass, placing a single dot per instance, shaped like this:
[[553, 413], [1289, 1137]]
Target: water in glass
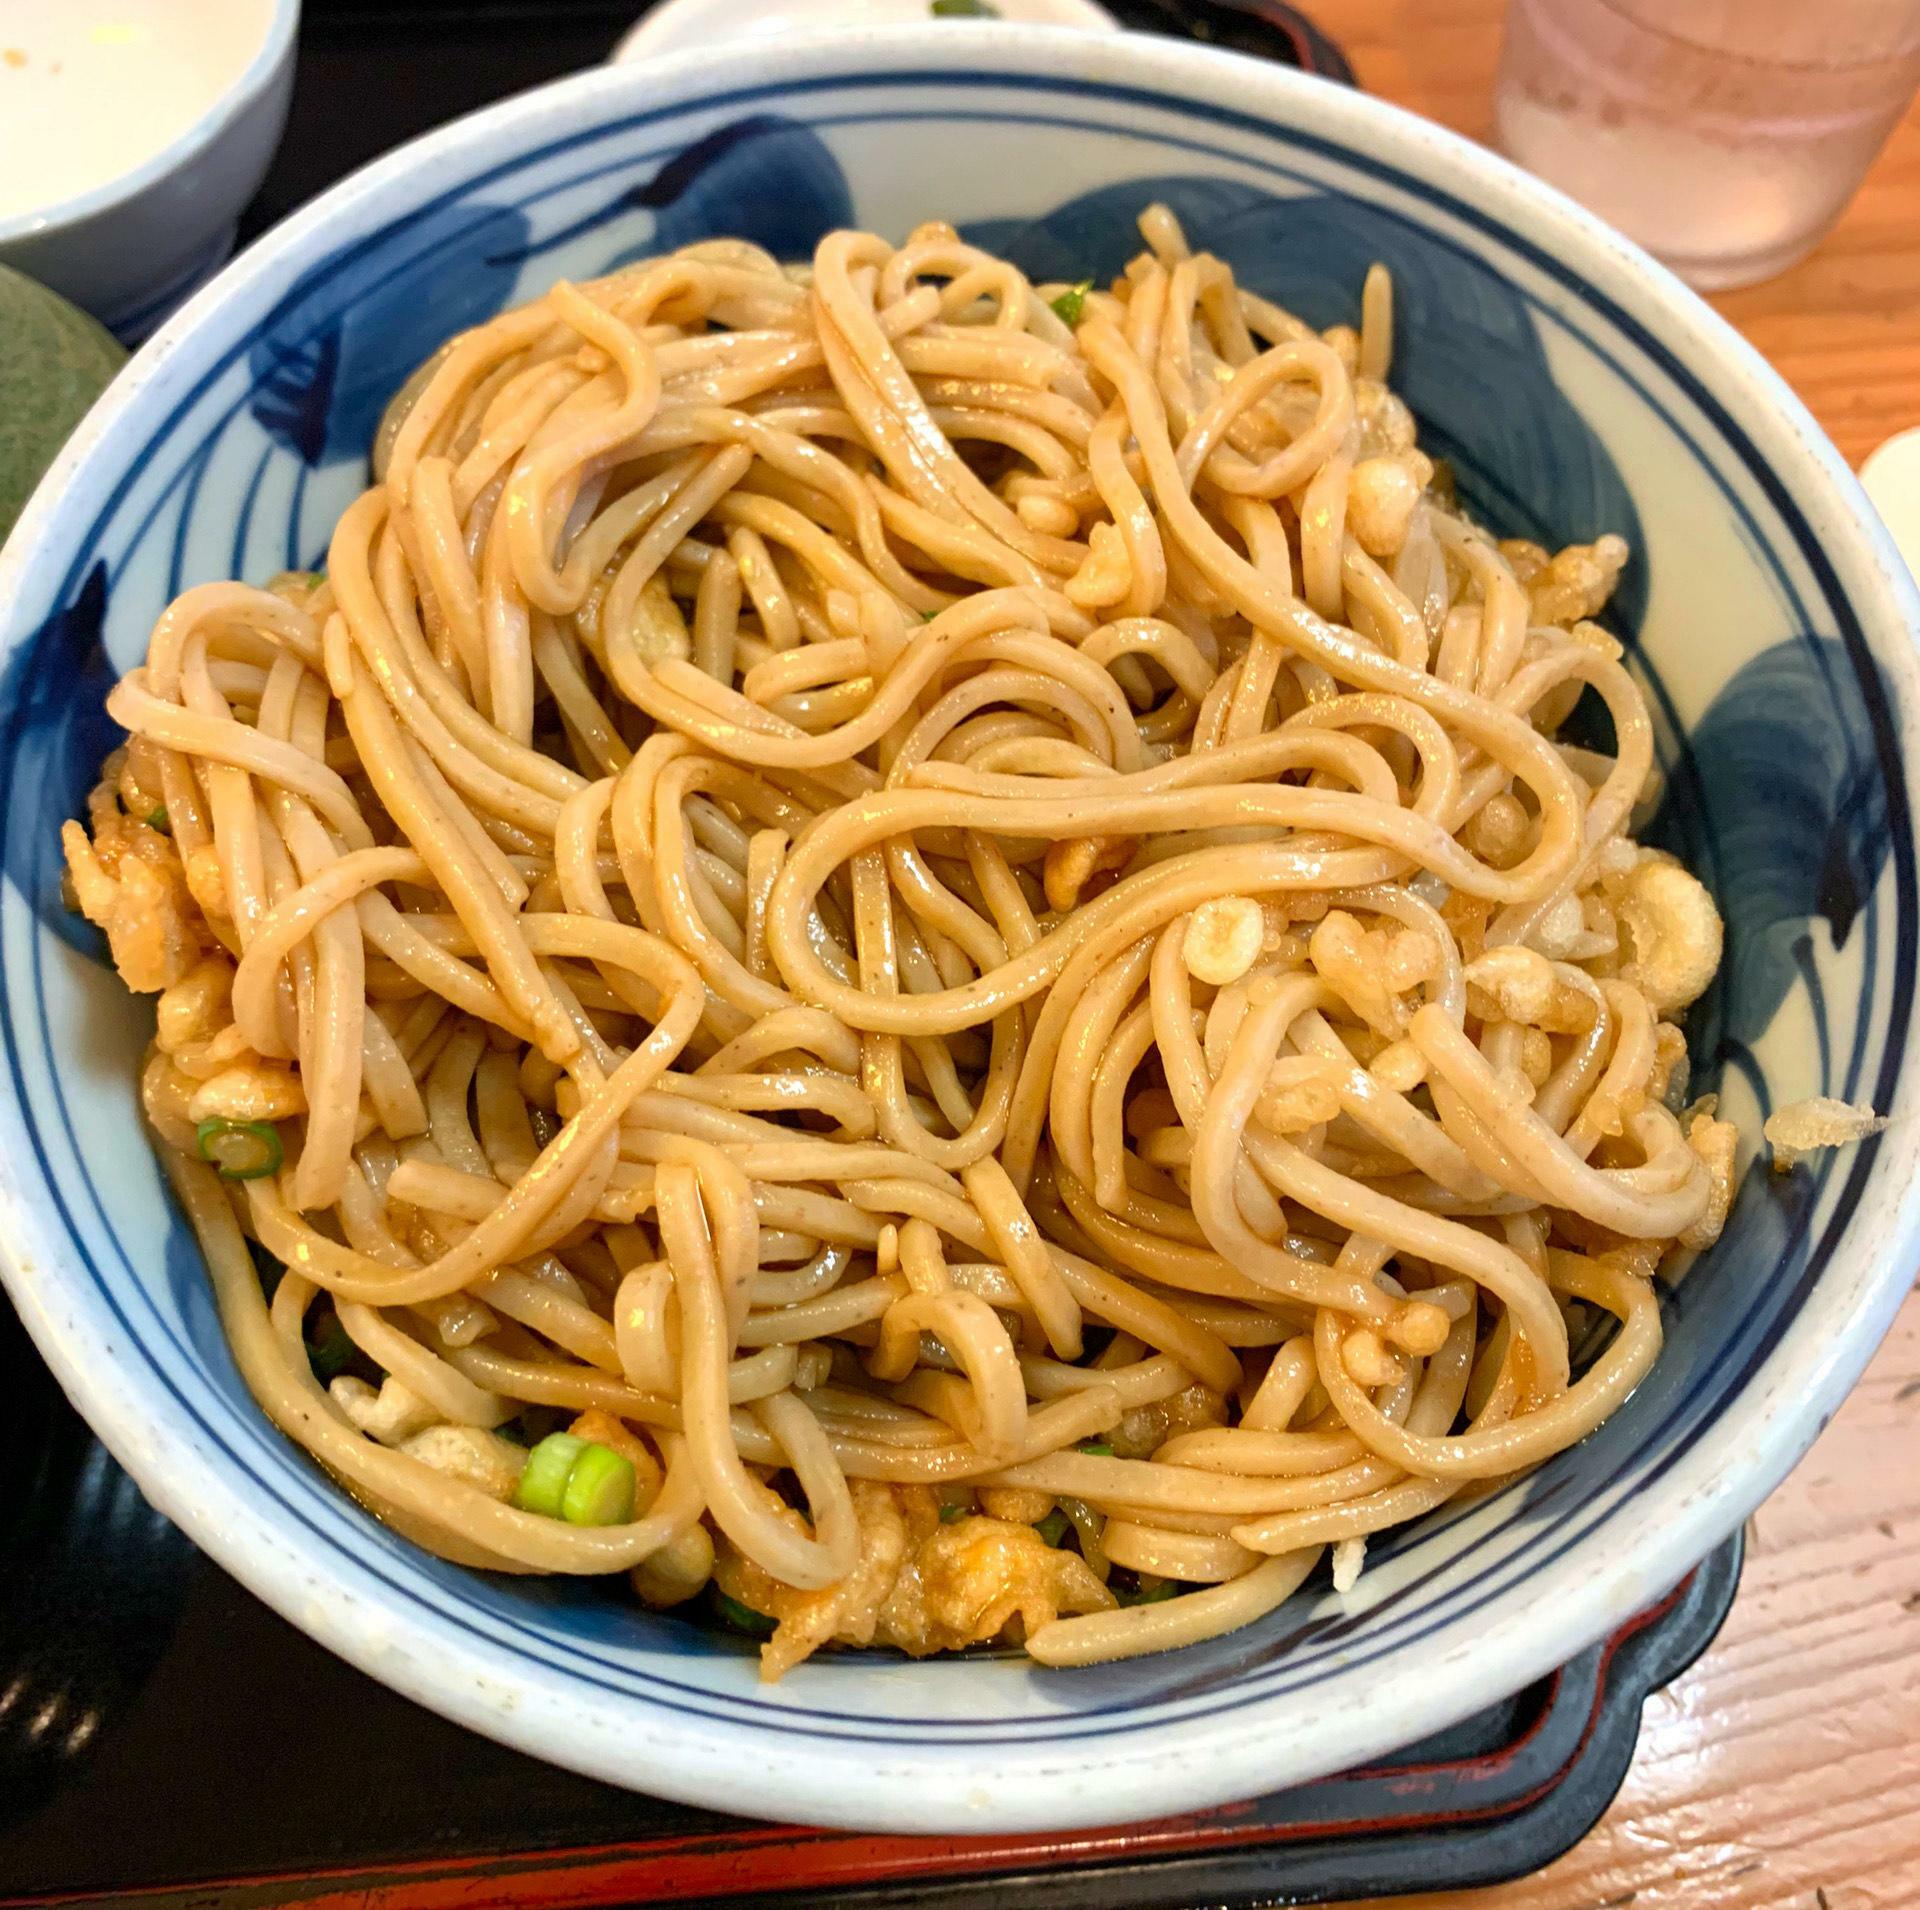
[[1725, 135]]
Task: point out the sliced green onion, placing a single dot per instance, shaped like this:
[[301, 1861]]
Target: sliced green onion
[[963, 10], [600, 1488], [927, 616], [952, 1514], [1097, 1449], [1053, 1528], [1071, 305], [242, 1150], [578, 1480], [1147, 1590], [543, 1484], [157, 819], [329, 1350], [743, 1618]]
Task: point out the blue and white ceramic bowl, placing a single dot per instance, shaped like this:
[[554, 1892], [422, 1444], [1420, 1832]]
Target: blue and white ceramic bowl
[[1576, 387]]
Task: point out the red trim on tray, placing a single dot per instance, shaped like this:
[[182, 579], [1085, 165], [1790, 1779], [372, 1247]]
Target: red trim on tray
[[770, 1857]]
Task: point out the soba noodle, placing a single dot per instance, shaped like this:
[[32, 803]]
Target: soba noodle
[[944, 913]]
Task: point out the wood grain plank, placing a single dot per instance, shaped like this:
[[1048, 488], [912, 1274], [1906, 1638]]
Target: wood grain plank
[[1787, 1762], [1784, 1769]]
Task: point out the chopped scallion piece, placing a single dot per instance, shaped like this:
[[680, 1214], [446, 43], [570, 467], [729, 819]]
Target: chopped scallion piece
[[952, 1514], [241, 1150], [743, 1618], [1097, 1449], [578, 1480], [543, 1484], [1053, 1528], [329, 1350], [1070, 307], [600, 1488], [963, 10], [157, 819], [927, 616]]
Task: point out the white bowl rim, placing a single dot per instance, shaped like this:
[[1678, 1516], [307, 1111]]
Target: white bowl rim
[[672, 20], [245, 88], [1160, 1767]]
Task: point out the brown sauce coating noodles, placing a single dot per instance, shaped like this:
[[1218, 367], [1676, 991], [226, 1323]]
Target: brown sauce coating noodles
[[963, 934]]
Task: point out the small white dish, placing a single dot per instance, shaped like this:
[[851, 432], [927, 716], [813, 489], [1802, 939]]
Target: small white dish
[[131, 135], [687, 26], [1891, 476]]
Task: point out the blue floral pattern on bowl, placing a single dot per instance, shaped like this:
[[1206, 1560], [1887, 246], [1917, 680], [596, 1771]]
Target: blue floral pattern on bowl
[[1571, 399]]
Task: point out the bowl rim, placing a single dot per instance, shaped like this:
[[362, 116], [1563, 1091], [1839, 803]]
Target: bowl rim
[[1157, 1766], [673, 20], [246, 86]]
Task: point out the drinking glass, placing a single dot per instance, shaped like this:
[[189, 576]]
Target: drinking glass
[[1726, 136]]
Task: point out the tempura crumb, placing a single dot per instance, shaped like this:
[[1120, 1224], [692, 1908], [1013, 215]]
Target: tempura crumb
[[923, 1584], [1716, 1142], [1349, 1558], [1819, 1121], [392, 1415], [1674, 930], [472, 1455], [1223, 939]]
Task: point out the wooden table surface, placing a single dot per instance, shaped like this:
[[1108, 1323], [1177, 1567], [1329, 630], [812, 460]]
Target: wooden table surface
[[1784, 1769]]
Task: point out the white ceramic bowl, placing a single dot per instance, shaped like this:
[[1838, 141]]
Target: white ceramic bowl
[[131, 249], [1576, 387], [688, 26]]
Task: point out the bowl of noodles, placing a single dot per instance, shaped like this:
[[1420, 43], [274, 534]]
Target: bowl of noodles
[[954, 996]]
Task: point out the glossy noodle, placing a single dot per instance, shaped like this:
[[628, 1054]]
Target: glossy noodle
[[941, 919]]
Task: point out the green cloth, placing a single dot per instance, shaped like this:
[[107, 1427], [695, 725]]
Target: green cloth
[[54, 362]]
